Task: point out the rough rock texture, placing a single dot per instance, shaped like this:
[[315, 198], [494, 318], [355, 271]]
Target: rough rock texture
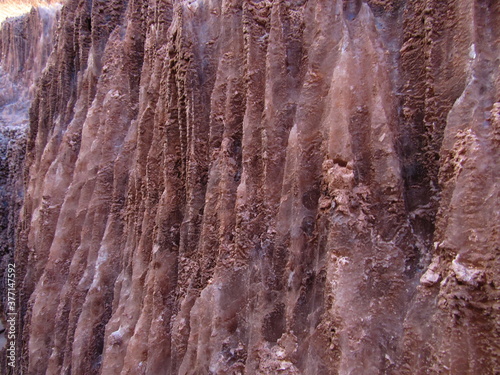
[[264, 187], [25, 45]]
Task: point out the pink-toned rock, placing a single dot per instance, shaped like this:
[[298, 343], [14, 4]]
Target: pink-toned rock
[[239, 187]]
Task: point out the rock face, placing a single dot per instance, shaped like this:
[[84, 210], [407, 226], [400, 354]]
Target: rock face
[[264, 187], [25, 45]]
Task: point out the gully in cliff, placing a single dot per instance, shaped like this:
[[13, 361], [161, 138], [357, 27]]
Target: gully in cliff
[[220, 187]]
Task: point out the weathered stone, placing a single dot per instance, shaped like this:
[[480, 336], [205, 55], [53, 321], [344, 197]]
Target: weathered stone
[[239, 187]]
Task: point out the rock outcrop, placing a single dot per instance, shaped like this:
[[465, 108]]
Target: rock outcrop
[[263, 187], [25, 45]]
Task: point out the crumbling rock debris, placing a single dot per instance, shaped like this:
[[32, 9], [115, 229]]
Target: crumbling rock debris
[[262, 187]]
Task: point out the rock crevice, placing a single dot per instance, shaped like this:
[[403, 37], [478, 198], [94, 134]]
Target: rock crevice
[[230, 187]]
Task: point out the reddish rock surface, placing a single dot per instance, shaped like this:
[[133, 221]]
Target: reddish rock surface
[[263, 187], [25, 44]]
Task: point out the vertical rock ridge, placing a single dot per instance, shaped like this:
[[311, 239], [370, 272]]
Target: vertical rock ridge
[[262, 187], [25, 44]]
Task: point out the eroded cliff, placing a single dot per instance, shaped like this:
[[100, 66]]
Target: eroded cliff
[[264, 187], [25, 44]]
